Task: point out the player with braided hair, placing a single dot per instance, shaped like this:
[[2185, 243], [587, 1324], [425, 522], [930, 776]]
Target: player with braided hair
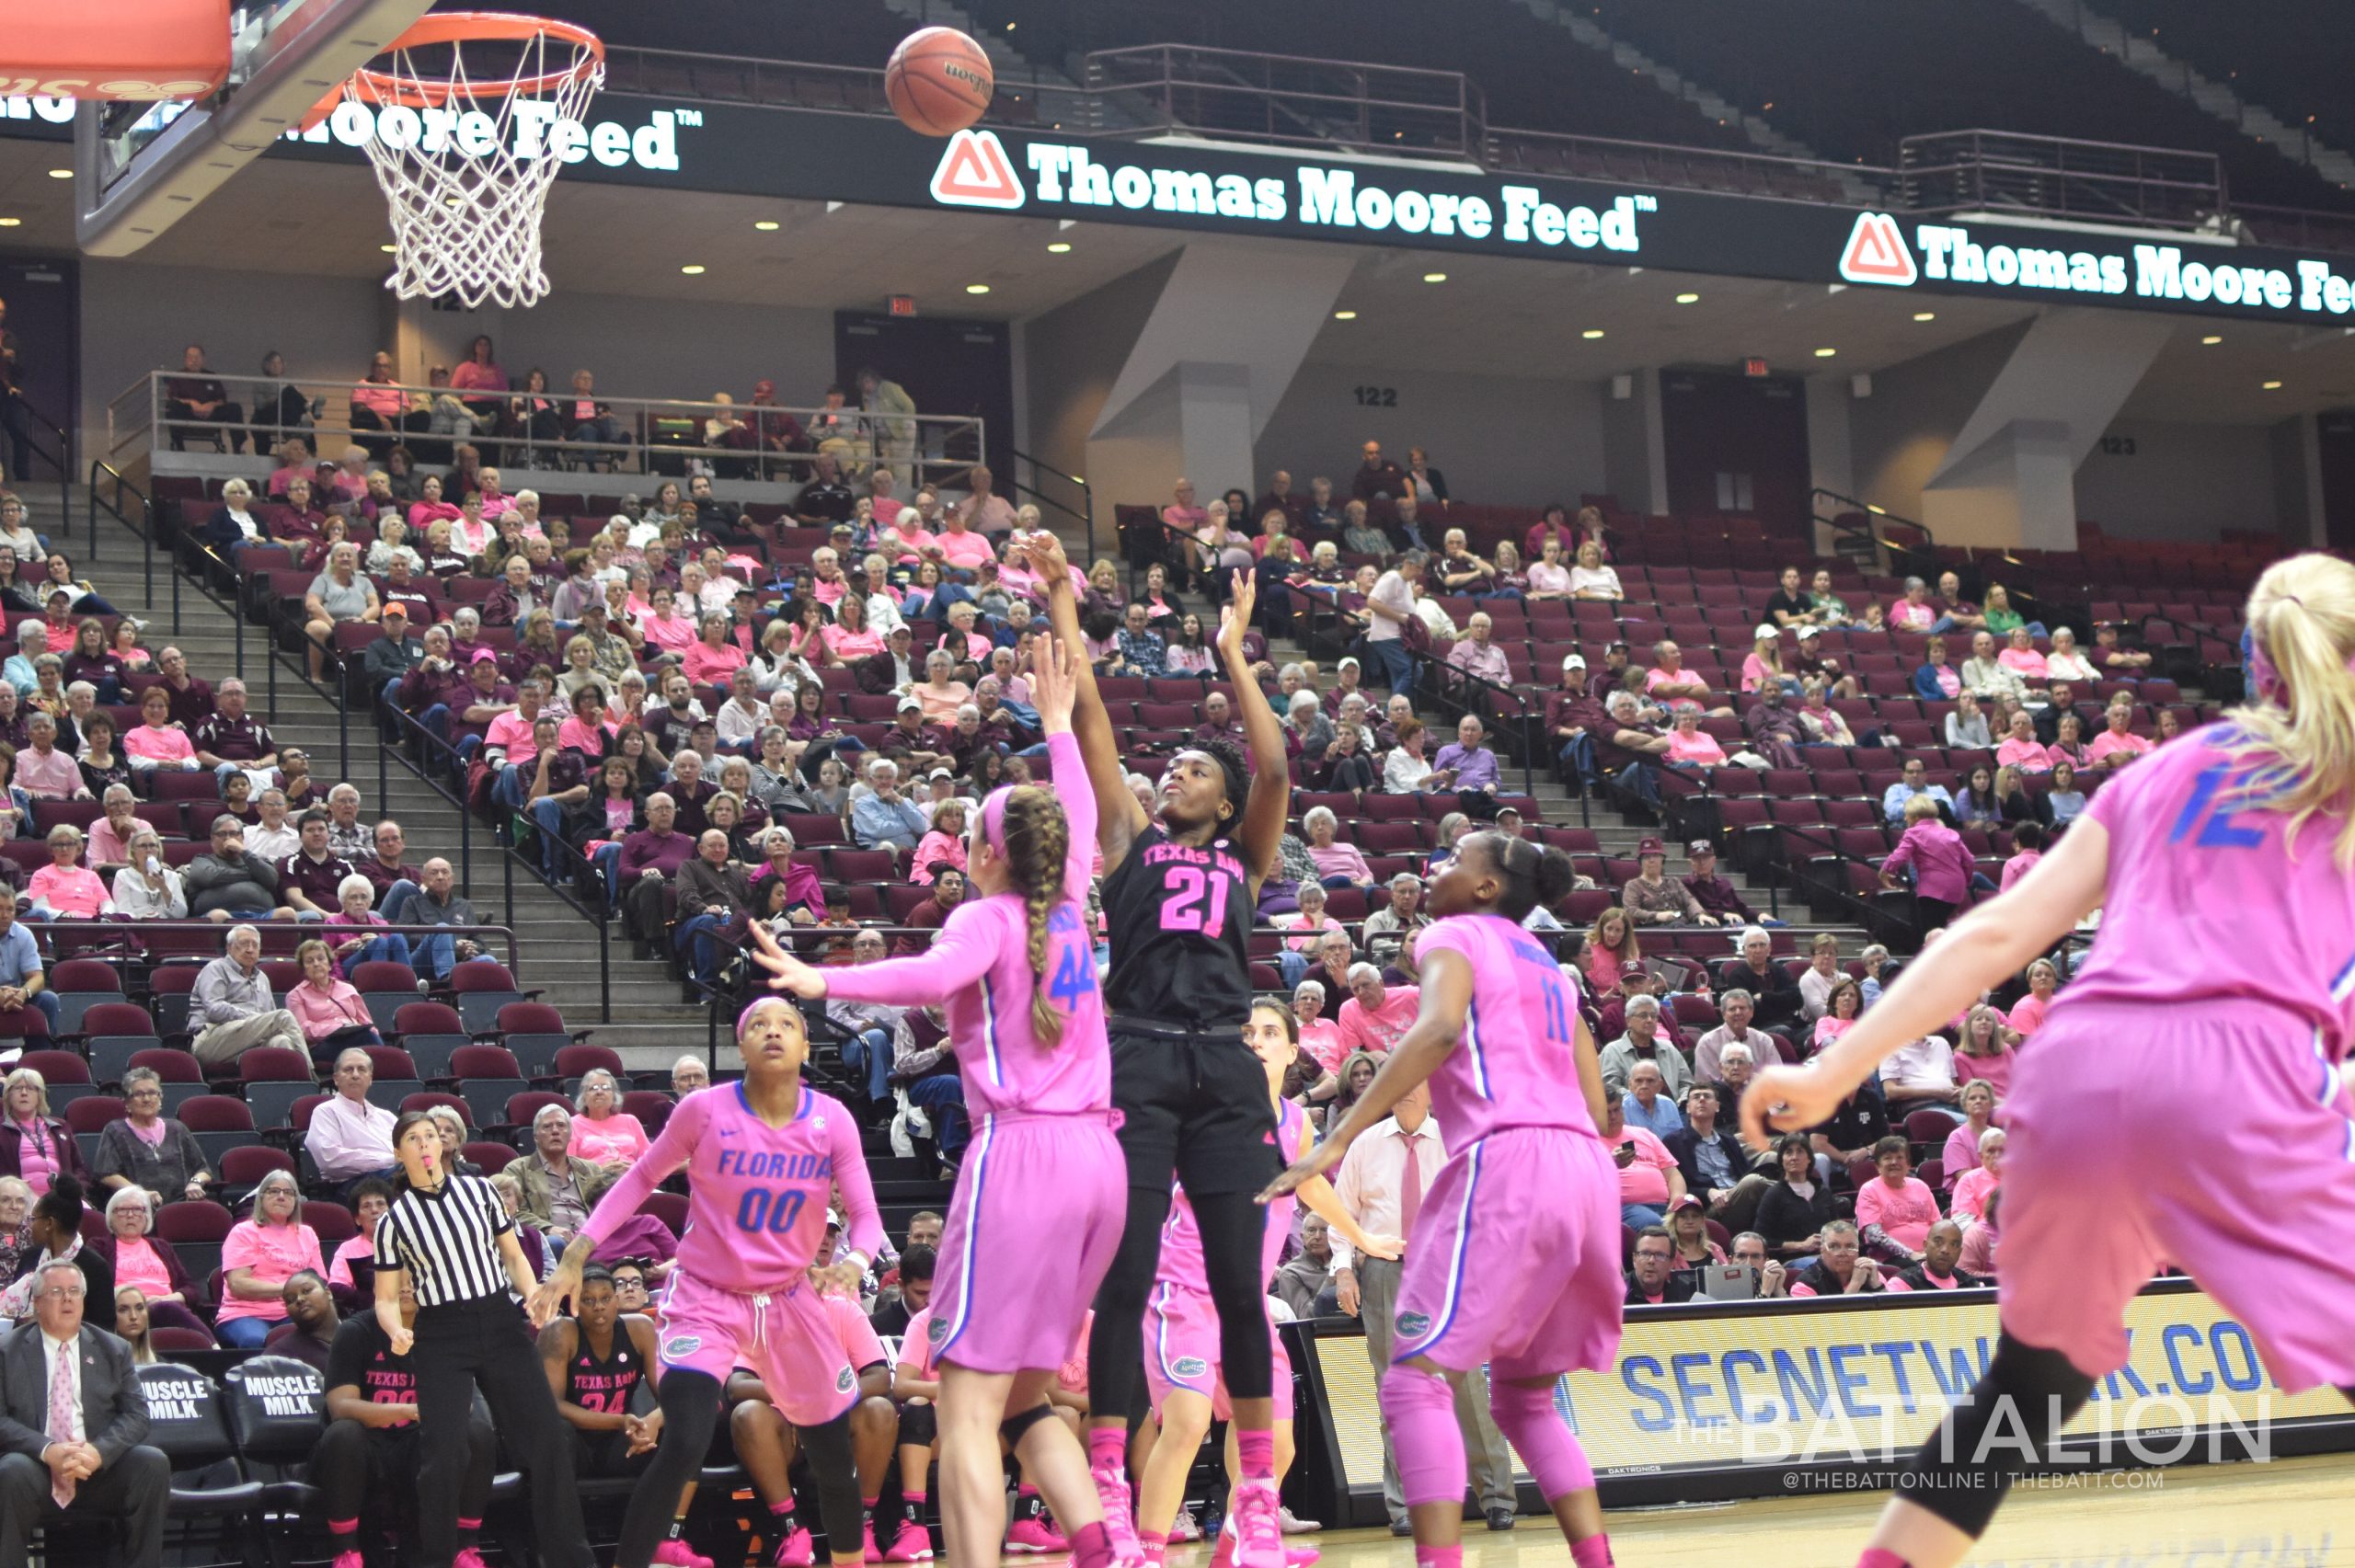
[[1016, 970], [1515, 1082], [1179, 889]]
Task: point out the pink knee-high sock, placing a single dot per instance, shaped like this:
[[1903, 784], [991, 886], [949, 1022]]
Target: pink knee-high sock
[[1255, 1452], [1594, 1551], [1527, 1418], [1107, 1449], [1420, 1412]]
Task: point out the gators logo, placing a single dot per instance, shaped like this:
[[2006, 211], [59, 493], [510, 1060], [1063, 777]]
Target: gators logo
[[936, 1331], [845, 1381], [1413, 1326], [679, 1346], [1188, 1367]]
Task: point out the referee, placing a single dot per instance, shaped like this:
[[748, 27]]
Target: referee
[[449, 1237]]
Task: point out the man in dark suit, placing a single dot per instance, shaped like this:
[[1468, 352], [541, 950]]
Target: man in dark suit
[[893, 670], [72, 1421]]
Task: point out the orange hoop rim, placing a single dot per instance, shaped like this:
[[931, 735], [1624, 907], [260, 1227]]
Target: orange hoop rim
[[384, 87]]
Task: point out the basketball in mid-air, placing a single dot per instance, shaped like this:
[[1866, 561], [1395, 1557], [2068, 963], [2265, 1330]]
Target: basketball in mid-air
[[939, 81]]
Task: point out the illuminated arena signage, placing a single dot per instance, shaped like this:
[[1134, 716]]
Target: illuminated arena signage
[[1209, 187], [1320, 196]]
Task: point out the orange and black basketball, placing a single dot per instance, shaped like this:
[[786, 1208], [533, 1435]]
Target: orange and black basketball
[[939, 81]]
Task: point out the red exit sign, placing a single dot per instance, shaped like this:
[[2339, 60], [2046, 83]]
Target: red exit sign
[[906, 305], [1753, 367]]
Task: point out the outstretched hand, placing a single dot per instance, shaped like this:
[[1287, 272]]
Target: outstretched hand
[[790, 974], [548, 1301], [1316, 1163], [1047, 556], [1053, 688], [1788, 1099], [1234, 618]]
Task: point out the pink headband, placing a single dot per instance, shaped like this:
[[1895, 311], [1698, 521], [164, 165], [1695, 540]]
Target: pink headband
[[754, 1006], [994, 817]]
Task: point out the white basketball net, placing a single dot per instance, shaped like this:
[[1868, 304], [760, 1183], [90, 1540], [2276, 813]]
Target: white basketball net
[[468, 182]]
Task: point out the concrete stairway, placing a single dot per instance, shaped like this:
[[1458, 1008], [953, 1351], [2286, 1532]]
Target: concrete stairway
[[557, 952]]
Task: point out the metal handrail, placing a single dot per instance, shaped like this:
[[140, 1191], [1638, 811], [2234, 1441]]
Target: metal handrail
[[1083, 514], [123, 927], [101, 468], [61, 460], [137, 417]]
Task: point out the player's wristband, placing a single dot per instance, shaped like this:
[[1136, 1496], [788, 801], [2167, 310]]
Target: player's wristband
[[848, 1253]]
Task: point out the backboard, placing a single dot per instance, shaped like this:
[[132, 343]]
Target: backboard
[[139, 167]]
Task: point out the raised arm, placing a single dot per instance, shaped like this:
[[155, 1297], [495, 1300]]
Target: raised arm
[[1270, 798], [1055, 693], [1991, 942], [1118, 816]]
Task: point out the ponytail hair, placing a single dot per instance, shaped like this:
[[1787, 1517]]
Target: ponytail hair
[[1036, 845], [2298, 735], [1531, 875]]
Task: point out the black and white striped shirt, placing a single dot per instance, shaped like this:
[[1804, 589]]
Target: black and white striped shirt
[[447, 1241]]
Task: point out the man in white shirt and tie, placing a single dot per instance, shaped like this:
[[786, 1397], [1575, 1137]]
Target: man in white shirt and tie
[[1380, 1183], [72, 1421]]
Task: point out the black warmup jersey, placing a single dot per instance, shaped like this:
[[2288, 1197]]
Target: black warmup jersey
[[362, 1356], [1180, 922], [603, 1384]]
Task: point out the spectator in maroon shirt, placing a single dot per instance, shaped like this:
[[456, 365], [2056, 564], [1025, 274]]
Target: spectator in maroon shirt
[[947, 892], [192, 698], [1711, 891], [232, 740], [384, 869], [1376, 476], [1574, 718], [650, 857], [309, 879]]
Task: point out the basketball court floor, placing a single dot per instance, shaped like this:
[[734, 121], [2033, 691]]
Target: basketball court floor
[[2293, 1514]]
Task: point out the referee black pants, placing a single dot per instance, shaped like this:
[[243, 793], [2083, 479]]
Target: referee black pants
[[463, 1345]]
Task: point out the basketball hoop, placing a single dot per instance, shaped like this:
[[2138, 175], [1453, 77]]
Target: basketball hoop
[[468, 115]]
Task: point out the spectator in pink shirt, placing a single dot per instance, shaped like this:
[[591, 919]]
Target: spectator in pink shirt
[[1975, 1187], [2019, 654], [2019, 748], [1980, 1241], [2028, 1013], [1337, 864], [1960, 1155], [43, 771], [1915, 613], [1375, 1016], [2028, 847], [1985, 1051], [603, 1133], [1649, 1181], [1896, 1208], [156, 741], [1319, 1035], [1691, 746], [2114, 747], [713, 657], [258, 1257], [1941, 863], [1479, 655], [65, 890], [1668, 682]]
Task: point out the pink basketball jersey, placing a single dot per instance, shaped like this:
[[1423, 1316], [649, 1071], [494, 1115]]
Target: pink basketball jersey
[[980, 963], [2207, 900], [757, 1195], [1516, 1066]]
